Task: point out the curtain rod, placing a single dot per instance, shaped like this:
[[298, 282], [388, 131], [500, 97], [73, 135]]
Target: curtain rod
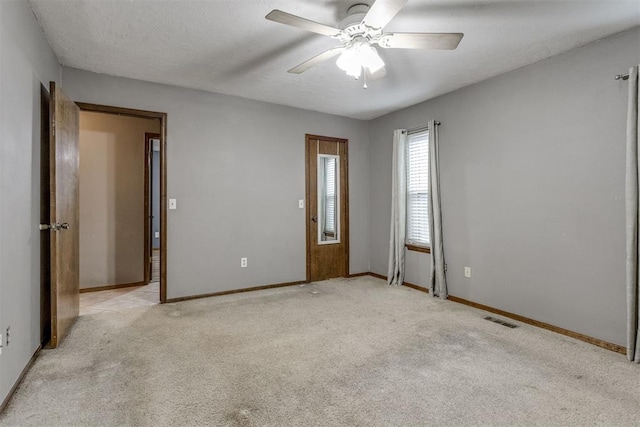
[[622, 77], [421, 128]]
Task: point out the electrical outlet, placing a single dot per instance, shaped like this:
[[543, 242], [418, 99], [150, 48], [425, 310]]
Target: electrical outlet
[[243, 262], [157, 234], [467, 272]]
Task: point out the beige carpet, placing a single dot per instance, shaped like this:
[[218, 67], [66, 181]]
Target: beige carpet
[[342, 352]]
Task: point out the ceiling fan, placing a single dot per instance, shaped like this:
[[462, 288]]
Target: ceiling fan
[[358, 32]]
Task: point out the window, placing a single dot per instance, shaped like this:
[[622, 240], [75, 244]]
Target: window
[[418, 189], [328, 199]]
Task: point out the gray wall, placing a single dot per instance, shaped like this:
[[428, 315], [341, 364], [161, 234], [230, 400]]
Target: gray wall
[[112, 215], [26, 61], [236, 168], [532, 188]]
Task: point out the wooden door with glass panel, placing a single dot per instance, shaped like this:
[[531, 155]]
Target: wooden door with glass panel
[[327, 208]]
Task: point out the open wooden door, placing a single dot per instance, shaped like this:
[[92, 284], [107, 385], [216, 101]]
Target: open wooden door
[[327, 208], [64, 223]]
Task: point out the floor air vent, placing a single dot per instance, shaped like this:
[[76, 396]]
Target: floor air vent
[[500, 322]]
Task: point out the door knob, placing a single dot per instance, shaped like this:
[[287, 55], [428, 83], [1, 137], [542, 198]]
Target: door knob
[[55, 226], [314, 218]]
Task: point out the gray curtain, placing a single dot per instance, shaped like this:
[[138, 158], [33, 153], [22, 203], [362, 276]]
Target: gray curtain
[[395, 273], [633, 308], [438, 285]]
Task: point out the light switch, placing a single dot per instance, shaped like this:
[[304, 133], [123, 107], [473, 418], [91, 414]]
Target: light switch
[[172, 204], [301, 203]]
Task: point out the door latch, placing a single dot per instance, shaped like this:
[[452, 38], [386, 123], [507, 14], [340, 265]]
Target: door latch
[[56, 226]]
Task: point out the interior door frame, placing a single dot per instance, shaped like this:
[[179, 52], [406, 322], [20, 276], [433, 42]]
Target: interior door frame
[[307, 157], [46, 312], [129, 112], [148, 202]]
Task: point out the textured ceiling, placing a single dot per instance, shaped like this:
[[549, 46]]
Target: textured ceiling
[[227, 46]]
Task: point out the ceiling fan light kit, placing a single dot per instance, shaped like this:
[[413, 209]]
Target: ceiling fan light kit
[[359, 31], [358, 57]]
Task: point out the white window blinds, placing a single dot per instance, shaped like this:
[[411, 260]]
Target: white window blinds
[[330, 200], [418, 188]]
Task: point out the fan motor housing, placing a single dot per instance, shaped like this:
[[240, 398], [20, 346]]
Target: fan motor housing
[[355, 14], [353, 28]]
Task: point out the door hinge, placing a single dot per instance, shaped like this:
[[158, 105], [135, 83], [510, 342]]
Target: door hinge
[[53, 127]]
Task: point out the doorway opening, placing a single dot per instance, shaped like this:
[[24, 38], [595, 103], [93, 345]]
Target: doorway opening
[[327, 203], [60, 208], [122, 202]]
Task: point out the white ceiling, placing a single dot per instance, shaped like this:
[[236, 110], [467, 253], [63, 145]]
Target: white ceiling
[[227, 46]]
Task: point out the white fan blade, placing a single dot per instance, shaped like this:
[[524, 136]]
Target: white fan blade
[[328, 54], [296, 21], [447, 41], [382, 11]]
